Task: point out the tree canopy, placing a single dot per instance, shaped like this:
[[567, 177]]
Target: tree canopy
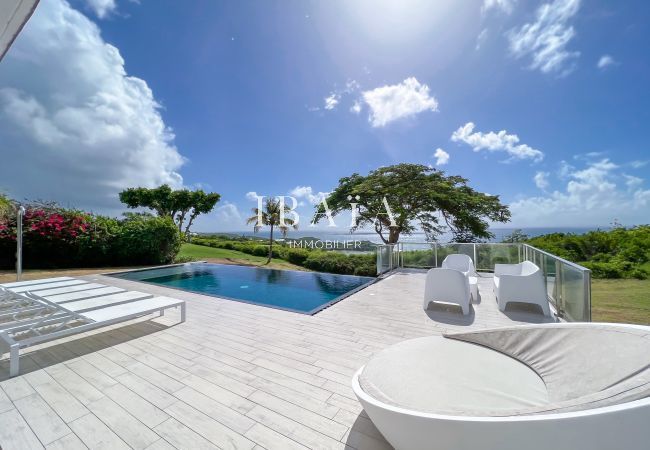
[[418, 197], [180, 205], [6, 207]]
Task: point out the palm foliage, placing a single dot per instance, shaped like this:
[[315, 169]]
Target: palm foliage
[[274, 215]]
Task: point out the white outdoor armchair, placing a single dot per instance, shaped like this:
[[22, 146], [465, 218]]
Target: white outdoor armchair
[[460, 262], [447, 286], [521, 283], [463, 263]]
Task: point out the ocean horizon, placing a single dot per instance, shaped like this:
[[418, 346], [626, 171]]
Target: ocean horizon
[[365, 235]]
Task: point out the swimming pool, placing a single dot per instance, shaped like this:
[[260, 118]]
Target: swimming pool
[[303, 292]]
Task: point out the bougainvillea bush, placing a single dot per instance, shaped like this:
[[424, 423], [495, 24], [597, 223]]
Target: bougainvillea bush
[[58, 237]]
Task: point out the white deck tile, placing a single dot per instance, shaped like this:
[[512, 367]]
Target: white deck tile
[[234, 375]]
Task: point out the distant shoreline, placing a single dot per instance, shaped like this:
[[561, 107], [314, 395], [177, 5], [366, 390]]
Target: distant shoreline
[[499, 234]]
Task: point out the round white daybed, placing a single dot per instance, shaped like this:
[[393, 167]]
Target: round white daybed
[[533, 387]]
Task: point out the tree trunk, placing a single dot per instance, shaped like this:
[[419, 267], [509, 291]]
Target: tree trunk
[[181, 219], [393, 235], [270, 246], [187, 228]]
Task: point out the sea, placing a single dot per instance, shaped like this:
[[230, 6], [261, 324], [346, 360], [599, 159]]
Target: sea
[[365, 235]]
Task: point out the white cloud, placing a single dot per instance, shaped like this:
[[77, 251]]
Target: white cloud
[[226, 217], [639, 164], [334, 98], [495, 142], [252, 196], [102, 8], [594, 195], [392, 102], [632, 182], [331, 101], [606, 61], [356, 107], [504, 6], [74, 126], [351, 86], [541, 180], [442, 157], [546, 39], [229, 217], [481, 38], [306, 192], [565, 170]]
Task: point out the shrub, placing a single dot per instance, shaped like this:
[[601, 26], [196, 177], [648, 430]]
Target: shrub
[[296, 256], [147, 240], [318, 260], [260, 250], [617, 253], [341, 263], [57, 237]]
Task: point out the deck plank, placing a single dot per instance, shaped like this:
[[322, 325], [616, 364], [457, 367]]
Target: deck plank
[[234, 375]]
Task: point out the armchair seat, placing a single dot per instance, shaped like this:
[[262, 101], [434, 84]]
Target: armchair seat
[[520, 283]]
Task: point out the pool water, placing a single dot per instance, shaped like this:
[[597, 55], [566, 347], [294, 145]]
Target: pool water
[[304, 292]]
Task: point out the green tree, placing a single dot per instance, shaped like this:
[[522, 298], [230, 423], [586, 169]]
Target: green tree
[[202, 203], [178, 204], [158, 199], [271, 215], [516, 236], [418, 196], [6, 207]]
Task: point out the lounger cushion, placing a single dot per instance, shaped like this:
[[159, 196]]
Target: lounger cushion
[[446, 376], [583, 366]]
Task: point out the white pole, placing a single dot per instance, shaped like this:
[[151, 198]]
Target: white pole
[[19, 243]]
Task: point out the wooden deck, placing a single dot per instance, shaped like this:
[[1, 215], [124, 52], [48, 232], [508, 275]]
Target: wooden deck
[[234, 376]]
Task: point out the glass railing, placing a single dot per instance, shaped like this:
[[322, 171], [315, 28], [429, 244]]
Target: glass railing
[[568, 285], [484, 255], [387, 258]]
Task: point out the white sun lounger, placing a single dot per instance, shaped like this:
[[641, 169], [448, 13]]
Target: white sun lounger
[[33, 312], [447, 286]]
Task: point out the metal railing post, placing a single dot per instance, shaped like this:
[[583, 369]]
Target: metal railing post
[[435, 253], [475, 260], [19, 243], [587, 295]]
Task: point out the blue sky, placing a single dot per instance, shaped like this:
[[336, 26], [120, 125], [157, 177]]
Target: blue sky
[[542, 102]]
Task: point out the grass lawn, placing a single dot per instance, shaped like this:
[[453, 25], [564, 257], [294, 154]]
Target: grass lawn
[[225, 256], [620, 301], [188, 252], [9, 276]]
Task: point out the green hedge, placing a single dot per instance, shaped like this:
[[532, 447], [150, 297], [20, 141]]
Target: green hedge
[[617, 253], [147, 240], [364, 264], [318, 260], [60, 238]]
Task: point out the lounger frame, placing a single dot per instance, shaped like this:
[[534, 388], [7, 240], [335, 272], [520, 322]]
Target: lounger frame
[[55, 315]]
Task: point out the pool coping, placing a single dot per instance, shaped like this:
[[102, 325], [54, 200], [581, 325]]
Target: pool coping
[[308, 313]]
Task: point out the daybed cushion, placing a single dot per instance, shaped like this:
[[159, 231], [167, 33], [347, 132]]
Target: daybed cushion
[[583, 366], [523, 370], [446, 376]]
